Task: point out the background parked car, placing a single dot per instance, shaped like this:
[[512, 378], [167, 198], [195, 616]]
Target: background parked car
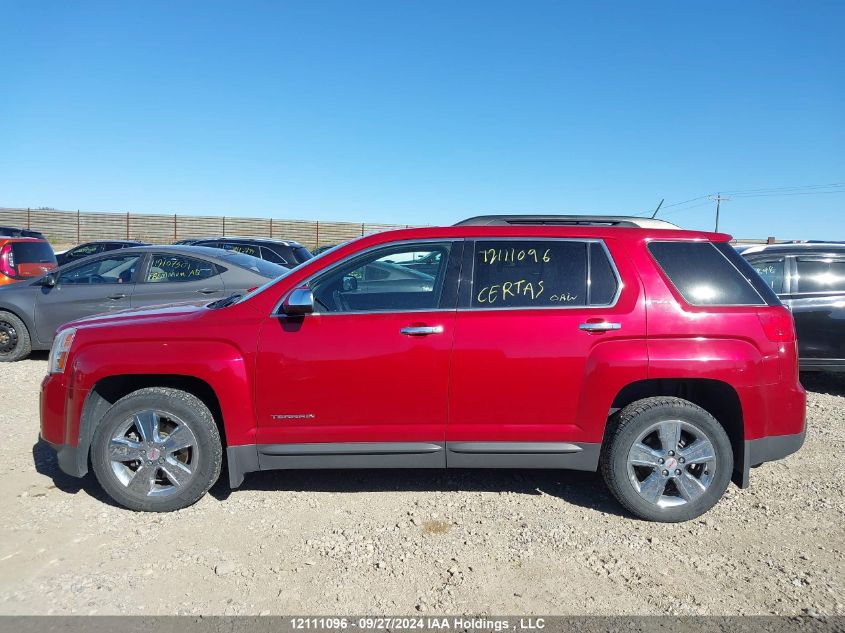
[[286, 253], [30, 312], [94, 248], [23, 258], [810, 279], [322, 249]]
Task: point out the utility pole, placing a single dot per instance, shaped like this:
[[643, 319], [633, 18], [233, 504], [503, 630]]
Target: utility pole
[[718, 198]]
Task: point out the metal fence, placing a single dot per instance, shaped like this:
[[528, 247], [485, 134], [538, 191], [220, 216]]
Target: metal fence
[[74, 227]]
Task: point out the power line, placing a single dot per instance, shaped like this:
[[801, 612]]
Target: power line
[[800, 190], [771, 189]]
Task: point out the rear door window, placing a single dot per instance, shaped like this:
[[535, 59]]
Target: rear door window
[[771, 270], [820, 274], [178, 268], [538, 274], [703, 275]]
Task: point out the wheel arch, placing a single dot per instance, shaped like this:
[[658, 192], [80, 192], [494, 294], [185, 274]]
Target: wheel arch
[[21, 314], [718, 398], [107, 391]]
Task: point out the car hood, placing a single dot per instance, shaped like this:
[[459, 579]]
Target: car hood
[[169, 312]]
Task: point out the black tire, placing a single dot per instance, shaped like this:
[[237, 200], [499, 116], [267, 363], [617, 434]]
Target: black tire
[[207, 450], [639, 417], [15, 343]]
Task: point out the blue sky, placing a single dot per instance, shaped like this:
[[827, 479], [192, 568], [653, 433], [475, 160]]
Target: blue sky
[[428, 111]]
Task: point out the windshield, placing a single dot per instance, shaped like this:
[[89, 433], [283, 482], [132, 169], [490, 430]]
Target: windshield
[[256, 265]]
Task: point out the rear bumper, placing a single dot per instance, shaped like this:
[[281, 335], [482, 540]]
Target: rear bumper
[[766, 449]]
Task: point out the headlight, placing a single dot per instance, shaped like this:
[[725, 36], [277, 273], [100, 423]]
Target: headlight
[[60, 350]]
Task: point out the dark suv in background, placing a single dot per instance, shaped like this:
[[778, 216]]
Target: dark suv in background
[[810, 280], [95, 248], [286, 253]]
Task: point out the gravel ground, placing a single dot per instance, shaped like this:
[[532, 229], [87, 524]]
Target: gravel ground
[[401, 542]]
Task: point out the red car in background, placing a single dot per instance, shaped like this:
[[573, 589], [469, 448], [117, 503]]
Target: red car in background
[[655, 355]]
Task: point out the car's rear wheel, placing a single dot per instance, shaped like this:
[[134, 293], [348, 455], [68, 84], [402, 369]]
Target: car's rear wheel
[[15, 343], [666, 459], [157, 449]]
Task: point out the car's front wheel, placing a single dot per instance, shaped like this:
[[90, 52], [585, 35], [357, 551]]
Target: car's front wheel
[[157, 449], [15, 343], [666, 459]]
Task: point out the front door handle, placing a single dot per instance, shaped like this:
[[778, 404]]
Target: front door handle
[[207, 291], [422, 330], [600, 326], [115, 297]]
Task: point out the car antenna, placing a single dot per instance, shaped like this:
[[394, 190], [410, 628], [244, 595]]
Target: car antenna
[[654, 215]]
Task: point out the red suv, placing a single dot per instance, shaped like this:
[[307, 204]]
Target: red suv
[[655, 355]]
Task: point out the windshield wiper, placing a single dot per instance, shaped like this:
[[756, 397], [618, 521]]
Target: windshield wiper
[[225, 302]]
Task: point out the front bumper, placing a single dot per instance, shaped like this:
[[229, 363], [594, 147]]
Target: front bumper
[[56, 400]]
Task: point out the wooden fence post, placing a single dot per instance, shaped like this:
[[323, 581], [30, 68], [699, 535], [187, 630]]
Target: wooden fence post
[[224, 226], [317, 243], [174, 228], [271, 228], [28, 218], [127, 225], [78, 232]]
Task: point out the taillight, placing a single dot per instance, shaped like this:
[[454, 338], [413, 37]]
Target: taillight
[[777, 324], [7, 261]]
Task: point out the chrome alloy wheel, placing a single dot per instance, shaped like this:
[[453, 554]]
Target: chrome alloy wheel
[[671, 463], [153, 453]]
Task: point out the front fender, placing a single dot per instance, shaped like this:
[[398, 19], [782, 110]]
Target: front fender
[[221, 365]]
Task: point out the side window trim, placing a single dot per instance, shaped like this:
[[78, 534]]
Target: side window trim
[[754, 261], [467, 276], [448, 294]]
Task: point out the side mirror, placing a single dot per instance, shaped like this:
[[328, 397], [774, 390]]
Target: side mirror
[[350, 283], [299, 302], [48, 280]]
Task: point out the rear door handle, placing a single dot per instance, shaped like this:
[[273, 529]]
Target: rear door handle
[[115, 297], [600, 326], [422, 330]]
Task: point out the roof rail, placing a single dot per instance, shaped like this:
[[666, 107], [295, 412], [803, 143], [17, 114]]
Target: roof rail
[[568, 220]]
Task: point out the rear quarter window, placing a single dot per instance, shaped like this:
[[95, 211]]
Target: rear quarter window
[[705, 275]]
